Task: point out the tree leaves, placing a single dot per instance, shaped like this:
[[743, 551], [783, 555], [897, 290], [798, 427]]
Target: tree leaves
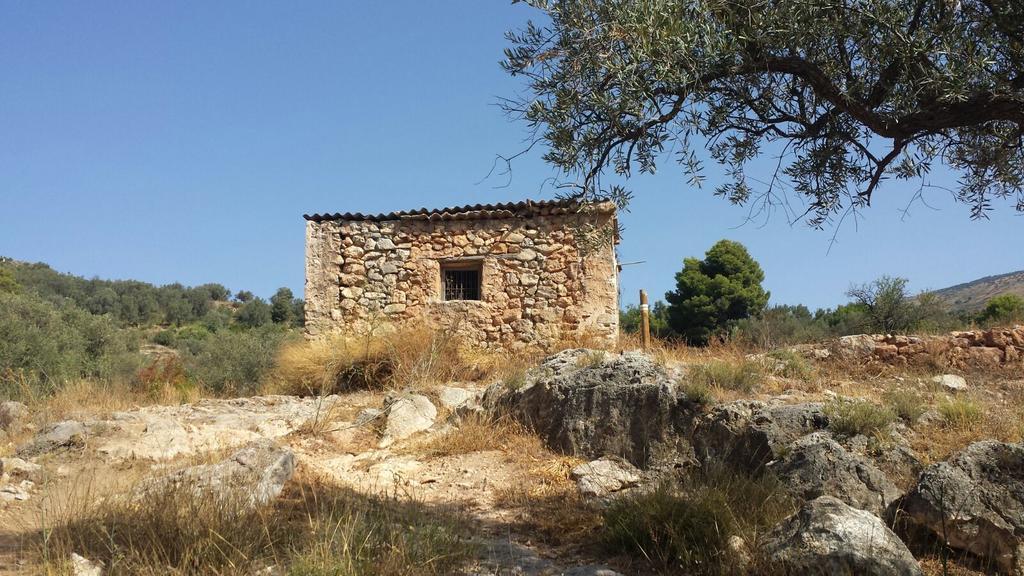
[[849, 93]]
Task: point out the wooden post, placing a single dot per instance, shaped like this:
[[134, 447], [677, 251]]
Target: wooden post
[[645, 320]]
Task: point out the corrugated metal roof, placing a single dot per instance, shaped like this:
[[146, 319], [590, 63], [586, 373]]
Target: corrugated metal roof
[[472, 212]]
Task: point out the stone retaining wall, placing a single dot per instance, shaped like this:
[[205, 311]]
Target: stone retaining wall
[[974, 348]]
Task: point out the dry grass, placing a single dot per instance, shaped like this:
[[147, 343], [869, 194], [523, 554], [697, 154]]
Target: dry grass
[[960, 413], [685, 527], [547, 501], [312, 529], [743, 376], [853, 417], [94, 399], [412, 357], [479, 433]]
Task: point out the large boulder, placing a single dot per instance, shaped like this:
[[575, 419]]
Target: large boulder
[[748, 434], [975, 502], [252, 476], [827, 536], [816, 465], [591, 403]]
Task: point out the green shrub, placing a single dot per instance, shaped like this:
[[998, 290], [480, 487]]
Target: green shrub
[[698, 392], [254, 313], [906, 404], [686, 528], [1003, 309], [792, 365], [781, 325], [853, 417], [233, 362], [43, 345], [164, 338], [739, 376], [960, 413]]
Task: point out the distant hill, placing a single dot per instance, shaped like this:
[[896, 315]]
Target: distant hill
[[972, 296]]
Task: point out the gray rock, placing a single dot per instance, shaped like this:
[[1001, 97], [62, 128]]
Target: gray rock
[[951, 382], [452, 398], [252, 476], [855, 347], [406, 416], [829, 537], [816, 465], [748, 434], [975, 502], [591, 403], [604, 476], [18, 469], [12, 414], [368, 415], [19, 491], [65, 434]]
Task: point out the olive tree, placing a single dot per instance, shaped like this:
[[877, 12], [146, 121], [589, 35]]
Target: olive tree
[[843, 93]]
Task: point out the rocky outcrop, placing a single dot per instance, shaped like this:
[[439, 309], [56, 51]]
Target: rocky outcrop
[[829, 537], [975, 502], [816, 465], [60, 435], [966, 349], [591, 403], [252, 476], [604, 476], [405, 416], [748, 434]]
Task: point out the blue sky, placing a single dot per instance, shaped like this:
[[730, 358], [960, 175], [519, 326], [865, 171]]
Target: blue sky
[[182, 141]]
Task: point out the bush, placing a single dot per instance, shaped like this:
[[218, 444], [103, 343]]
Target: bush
[[782, 325], [792, 365], [233, 362], [906, 404], [686, 528], [697, 392], [960, 413], [739, 376], [1003, 309], [253, 314], [45, 346], [853, 417]]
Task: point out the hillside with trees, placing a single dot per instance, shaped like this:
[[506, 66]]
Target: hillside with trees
[[56, 328]]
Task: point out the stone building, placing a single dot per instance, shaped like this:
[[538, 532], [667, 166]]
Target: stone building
[[504, 275]]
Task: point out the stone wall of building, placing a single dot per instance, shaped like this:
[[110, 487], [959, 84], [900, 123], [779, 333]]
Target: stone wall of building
[[546, 276]]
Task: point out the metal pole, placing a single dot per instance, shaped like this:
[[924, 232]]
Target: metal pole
[[645, 320]]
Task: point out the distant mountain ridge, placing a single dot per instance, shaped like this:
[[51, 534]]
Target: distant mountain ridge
[[972, 296]]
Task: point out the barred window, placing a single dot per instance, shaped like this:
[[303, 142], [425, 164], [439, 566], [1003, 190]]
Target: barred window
[[461, 281]]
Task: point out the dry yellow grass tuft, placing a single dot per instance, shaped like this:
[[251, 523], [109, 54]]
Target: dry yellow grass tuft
[[312, 529], [401, 358]]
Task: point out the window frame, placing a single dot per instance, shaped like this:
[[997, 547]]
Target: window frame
[[475, 266]]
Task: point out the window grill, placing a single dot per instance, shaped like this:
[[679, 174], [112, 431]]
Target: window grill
[[461, 283]]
